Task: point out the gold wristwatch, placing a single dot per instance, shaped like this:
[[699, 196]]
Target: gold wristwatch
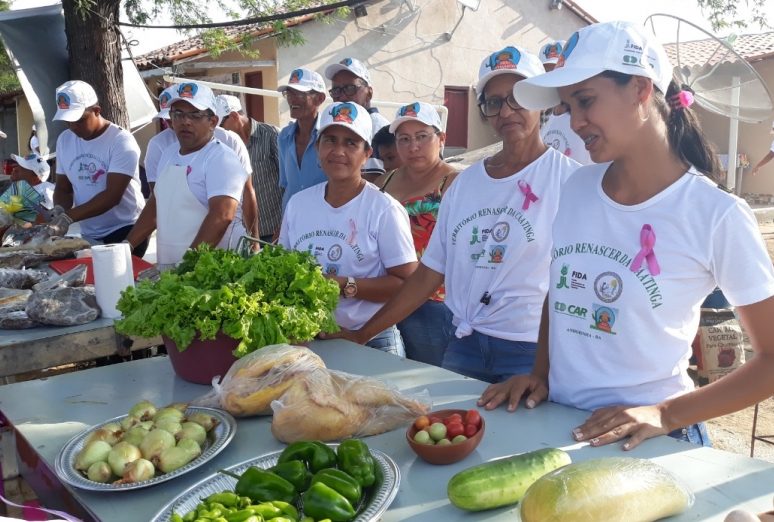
[[350, 289]]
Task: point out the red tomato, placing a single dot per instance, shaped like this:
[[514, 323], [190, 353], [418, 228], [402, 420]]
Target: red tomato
[[433, 419], [422, 422], [470, 430], [454, 417], [454, 429], [473, 417]]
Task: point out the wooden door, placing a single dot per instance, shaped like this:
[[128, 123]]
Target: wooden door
[[254, 103], [456, 100]]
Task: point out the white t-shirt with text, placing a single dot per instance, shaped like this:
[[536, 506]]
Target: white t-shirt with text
[[557, 133], [86, 164], [360, 239], [486, 242], [618, 333]]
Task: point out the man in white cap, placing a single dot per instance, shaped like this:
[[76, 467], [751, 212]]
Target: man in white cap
[[261, 141], [98, 177], [299, 167], [351, 82], [248, 211], [35, 171], [199, 185], [556, 131]]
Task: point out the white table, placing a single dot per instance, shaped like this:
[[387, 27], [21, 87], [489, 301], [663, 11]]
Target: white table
[[46, 413]]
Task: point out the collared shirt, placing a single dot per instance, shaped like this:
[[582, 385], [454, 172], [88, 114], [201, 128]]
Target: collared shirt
[[264, 157], [292, 176]]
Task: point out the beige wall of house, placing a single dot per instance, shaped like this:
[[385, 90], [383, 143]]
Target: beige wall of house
[[414, 53]]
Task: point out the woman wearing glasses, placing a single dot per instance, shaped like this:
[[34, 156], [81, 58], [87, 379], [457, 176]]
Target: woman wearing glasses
[[419, 184], [199, 185], [492, 242], [360, 237]]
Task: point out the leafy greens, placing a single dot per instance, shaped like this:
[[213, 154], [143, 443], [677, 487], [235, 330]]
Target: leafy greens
[[275, 296]]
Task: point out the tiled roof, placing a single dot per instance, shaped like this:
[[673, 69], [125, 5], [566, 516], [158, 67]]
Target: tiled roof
[[166, 56], [751, 47]]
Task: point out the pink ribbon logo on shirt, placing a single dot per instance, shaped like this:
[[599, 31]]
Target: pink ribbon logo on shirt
[[352, 233], [646, 253], [529, 196]]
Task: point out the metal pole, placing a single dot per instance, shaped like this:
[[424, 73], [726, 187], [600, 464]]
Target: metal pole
[[733, 136]]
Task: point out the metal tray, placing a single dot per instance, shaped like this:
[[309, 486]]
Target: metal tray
[[378, 497], [65, 461]]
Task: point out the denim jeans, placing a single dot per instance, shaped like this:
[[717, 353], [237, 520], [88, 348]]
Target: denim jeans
[[389, 341], [427, 332], [695, 434], [488, 358]]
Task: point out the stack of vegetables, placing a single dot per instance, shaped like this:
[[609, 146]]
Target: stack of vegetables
[[276, 296], [327, 485]]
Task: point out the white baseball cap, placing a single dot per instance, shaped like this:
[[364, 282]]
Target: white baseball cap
[[611, 46], [164, 101], [200, 96], [550, 52], [416, 111], [304, 80], [35, 163], [230, 103], [72, 99], [510, 60], [352, 65], [349, 115]]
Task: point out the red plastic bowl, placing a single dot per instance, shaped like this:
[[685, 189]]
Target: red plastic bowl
[[202, 360], [445, 454]]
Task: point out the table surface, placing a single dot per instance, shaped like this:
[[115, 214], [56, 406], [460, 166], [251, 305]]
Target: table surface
[[48, 412]]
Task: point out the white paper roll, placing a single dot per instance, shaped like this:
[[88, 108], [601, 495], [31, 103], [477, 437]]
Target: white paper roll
[[112, 274]]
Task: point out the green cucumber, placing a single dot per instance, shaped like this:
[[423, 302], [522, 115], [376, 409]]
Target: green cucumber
[[504, 481], [613, 489]]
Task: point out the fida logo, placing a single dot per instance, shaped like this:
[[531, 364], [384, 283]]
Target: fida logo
[[571, 310]]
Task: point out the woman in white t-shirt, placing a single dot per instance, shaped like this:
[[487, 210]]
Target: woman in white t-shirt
[[359, 235], [491, 244], [639, 241]]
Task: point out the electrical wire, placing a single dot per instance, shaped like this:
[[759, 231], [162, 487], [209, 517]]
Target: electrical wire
[[254, 20]]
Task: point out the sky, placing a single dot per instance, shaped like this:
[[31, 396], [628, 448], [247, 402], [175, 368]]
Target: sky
[[602, 10]]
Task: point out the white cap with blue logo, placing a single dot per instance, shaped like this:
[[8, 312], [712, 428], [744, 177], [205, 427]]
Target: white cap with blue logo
[[164, 101], [550, 52], [35, 163], [304, 80], [349, 115], [72, 100], [510, 60], [416, 111], [200, 96], [622, 47], [352, 65]]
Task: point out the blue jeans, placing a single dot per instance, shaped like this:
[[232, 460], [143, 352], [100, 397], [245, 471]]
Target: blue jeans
[[426, 332], [388, 341], [488, 358], [695, 434]]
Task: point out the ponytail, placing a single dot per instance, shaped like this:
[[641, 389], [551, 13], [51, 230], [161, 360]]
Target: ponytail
[[686, 139], [685, 135]]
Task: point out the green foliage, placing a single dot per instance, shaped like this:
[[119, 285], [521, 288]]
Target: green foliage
[[275, 296], [728, 14]]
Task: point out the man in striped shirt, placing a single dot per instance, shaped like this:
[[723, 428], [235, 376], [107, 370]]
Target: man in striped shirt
[[261, 141]]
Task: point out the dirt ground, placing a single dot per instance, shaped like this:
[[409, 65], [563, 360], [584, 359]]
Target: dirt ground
[[734, 432]]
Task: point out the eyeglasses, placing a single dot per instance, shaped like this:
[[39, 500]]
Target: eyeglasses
[[347, 90], [404, 140], [178, 115], [491, 107]]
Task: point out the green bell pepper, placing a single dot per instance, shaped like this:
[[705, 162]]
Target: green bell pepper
[[295, 472], [321, 501], [314, 454], [262, 486], [341, 482], [355, 459]]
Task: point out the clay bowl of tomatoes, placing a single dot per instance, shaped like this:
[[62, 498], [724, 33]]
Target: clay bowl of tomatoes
[[446, 436]]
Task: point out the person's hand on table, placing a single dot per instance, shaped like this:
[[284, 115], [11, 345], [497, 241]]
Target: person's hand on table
[[343, 333], [607, 425], [512, 391], [59, 224]]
